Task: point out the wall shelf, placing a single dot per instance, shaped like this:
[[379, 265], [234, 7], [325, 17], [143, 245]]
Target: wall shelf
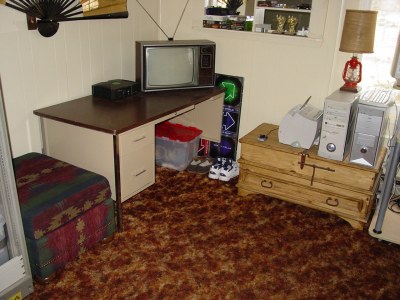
[[296, 10], [265, 17], [262, 37], [314, 28]]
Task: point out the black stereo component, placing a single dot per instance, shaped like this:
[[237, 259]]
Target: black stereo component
[[115, 89]]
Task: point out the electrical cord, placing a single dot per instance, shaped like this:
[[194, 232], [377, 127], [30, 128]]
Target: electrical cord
[[394, 202], [269, 132], [264, 137], [394, 205]]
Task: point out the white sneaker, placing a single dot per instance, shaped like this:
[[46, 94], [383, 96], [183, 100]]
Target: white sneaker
[[216, 167], [229, 170]]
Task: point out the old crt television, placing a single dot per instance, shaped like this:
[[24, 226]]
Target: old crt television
[[168, 65]]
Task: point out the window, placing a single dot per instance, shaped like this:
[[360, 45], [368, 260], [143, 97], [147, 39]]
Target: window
[[215, 3], [90, 5], [377, 65]]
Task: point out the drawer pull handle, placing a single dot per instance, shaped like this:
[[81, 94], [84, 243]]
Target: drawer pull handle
[[140, 173], [332, 202], [139, 139], [266, 184]]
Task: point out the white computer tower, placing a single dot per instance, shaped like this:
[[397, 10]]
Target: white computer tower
[[370, 126], [337, 125]]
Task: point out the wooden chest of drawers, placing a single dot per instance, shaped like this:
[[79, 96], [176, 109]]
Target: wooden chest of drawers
[[301, 176]]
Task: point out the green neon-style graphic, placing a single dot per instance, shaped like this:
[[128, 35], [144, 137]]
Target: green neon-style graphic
[[231, 90]]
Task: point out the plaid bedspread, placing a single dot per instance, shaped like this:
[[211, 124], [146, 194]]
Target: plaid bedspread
[[65, 210], [52, 192]]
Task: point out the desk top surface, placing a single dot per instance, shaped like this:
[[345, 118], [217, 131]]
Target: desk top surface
[[118, 116]]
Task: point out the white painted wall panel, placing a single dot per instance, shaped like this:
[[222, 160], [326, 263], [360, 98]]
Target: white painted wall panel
[[73, 44], [17, 91], [38, 71], [48, 68], [96, 51], [84, 57], [279, 73], [112, 50]]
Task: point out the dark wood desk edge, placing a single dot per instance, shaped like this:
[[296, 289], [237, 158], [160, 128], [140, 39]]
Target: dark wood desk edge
[[211, 92]]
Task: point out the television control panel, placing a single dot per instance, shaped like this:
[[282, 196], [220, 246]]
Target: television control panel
[[206, 64], [206, 57]]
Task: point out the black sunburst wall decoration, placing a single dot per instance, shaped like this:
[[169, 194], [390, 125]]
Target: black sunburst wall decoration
[[50, 12]]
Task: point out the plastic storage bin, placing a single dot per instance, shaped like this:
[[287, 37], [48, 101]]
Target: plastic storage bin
[[3, 241], [176, 145]]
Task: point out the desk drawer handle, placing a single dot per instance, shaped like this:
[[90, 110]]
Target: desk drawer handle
[[140, 173], [266, 184], [139, 139], [332, 202]]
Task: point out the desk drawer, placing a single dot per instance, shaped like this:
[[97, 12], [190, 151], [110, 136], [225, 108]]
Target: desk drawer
[[137, 169], [302, 195], [135, 139]]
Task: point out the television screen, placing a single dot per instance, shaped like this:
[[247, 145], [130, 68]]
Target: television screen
[[178, 64], [175, 66]]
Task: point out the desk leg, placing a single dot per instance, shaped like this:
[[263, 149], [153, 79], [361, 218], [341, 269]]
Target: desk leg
[[118, 206]]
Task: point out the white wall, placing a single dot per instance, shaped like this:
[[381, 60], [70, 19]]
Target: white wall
[[38, 71], [279, 72]]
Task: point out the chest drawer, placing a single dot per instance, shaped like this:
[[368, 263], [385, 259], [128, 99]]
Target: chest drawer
[[135, 139], [307, 183], [289, 191]]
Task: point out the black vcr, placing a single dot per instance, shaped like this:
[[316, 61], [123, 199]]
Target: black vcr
[[115, 89]]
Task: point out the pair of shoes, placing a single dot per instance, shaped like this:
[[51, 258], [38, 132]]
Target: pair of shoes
[[216, 167], [193, 164], [224, 169], [229, 170], [200, 165]]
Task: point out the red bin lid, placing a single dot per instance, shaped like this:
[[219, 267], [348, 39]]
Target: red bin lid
[[177, 132]]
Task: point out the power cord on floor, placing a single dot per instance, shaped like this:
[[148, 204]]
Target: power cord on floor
[[394, 204]]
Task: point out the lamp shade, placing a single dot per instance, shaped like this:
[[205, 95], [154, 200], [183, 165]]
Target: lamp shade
[[358, 31]]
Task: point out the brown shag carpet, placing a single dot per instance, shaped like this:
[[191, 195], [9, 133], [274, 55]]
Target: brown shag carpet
[[189, 237]]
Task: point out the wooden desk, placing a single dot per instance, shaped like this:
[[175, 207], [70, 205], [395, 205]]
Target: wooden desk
[[116, 139]]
